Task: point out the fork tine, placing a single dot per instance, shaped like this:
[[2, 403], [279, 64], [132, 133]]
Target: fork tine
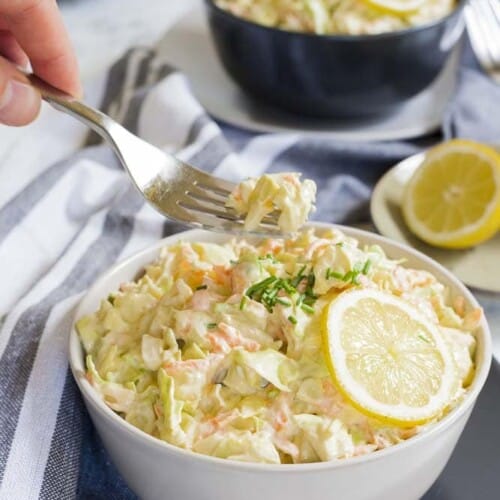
[[205, 206], [212, 196], [190, 203], [212, 183], [220, 201], [212, 222]]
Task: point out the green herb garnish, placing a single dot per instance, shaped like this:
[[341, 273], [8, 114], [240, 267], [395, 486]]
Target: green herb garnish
[[202, 287], [308, 309], [243, 302], [260, 286], [283, 302], [292, 319], [330, 273], [367, 267], [211, 326], [295, 281], [269, 291], [421, 337]]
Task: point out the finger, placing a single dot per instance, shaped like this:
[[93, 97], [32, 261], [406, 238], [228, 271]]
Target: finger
[[19, 102], [10, 49], [37, 25]]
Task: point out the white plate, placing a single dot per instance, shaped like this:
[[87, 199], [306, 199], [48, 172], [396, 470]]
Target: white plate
[[189, 47], [478, 267]]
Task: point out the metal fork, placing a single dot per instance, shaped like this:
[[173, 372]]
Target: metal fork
[[483, 23], [174, 188]]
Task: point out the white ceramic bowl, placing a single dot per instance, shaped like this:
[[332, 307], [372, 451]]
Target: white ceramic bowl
[[157, 470]]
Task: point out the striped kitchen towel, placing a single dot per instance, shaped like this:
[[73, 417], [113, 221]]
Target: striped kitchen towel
[[63, 223]]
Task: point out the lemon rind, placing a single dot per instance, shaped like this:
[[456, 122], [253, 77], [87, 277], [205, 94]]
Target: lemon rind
[[471, 234], [380, 411]]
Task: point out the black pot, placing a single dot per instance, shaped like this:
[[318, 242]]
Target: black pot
[[333, 75]]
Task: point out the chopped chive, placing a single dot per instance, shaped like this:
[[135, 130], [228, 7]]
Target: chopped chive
[[295, 281], [421, 337], [311, 279], [308, 300], [243, 302], [339, 244], [261, 285], [367, 267], [292, 319], [348, 276], [288, 287], [211, 326], [111, 299], [202, 287], [306, 308], [352, 277], [283, 302], [330, 273]]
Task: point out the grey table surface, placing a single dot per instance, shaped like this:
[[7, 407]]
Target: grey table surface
[[474, 468]]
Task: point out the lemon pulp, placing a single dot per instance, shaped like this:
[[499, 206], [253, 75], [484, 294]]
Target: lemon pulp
[[387, 358], [453, 199]]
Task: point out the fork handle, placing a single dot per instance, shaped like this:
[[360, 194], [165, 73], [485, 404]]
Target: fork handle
[[127, 146], [93, 118]]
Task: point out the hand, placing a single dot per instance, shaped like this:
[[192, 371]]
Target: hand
[[32, 31]]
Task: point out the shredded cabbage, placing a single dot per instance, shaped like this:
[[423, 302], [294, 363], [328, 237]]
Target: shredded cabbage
[[323, 17], [218, 348], [257, 198]]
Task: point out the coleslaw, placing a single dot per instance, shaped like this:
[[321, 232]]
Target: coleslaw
[[258, 197], [351, 17], [217, 348]]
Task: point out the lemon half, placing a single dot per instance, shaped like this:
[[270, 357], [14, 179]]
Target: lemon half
[[387, 359], [453, 198]]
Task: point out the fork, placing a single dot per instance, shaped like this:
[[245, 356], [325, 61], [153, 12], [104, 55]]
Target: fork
[[175, 189], [483, 23]]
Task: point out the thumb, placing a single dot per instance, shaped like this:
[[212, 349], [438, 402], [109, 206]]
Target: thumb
[[19, 102]]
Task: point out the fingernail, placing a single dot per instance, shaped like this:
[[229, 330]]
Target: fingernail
[[19, 104]]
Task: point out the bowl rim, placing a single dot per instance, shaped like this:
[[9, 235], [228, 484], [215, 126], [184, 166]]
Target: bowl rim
[[91, 396], [340, 37]]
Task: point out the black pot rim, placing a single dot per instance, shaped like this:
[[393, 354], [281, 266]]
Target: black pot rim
[[341, 37]]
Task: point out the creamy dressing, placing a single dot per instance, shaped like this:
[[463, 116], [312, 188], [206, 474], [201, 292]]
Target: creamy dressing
[[217, 348], [350, 17]]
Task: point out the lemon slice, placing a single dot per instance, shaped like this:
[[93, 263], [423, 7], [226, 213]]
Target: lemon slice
[[387, 359], [396, 6], [453, 198]]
